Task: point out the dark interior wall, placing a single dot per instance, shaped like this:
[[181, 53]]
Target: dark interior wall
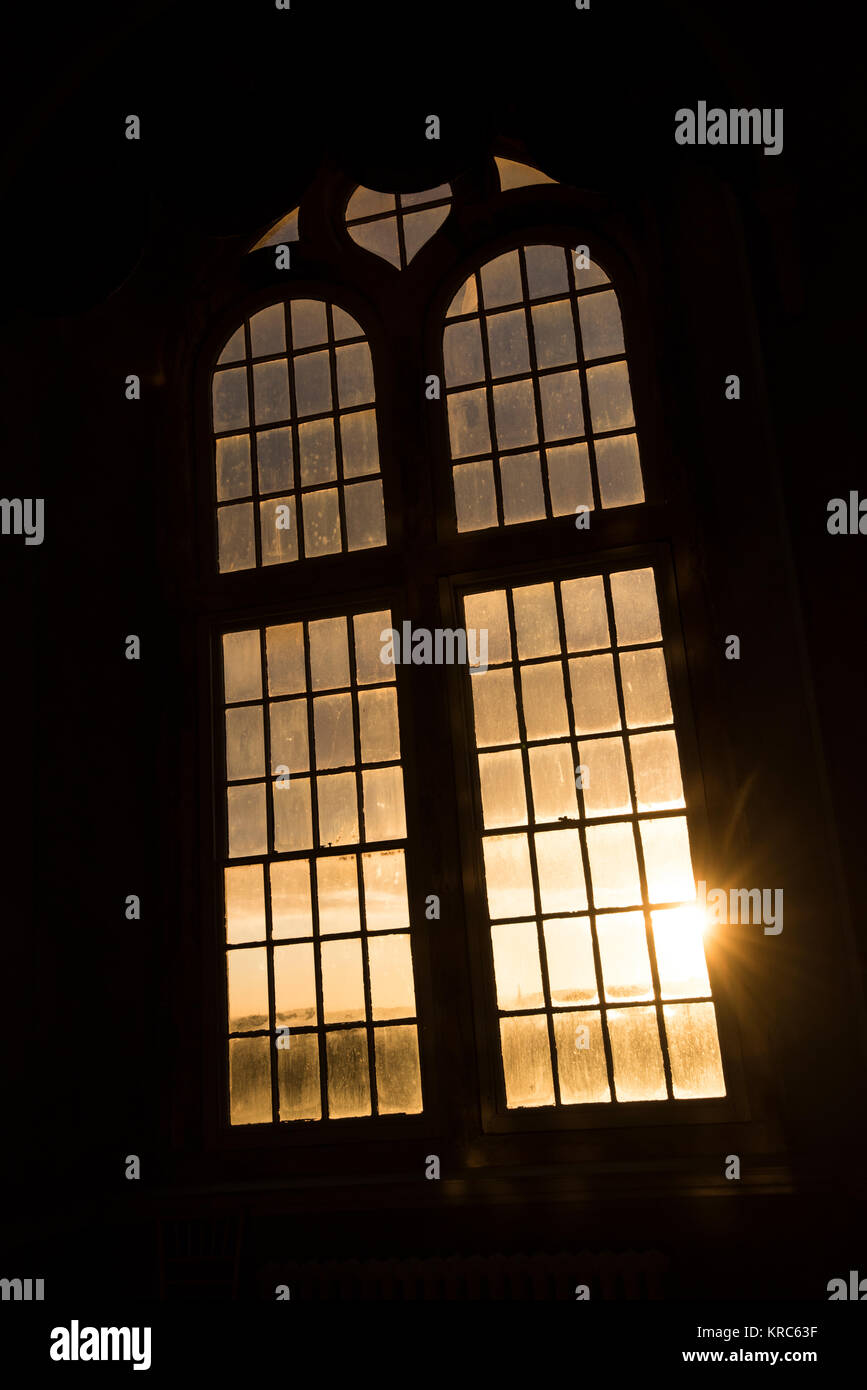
[[755, 265]]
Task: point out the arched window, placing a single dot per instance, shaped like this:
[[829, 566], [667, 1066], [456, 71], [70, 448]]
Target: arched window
[[466, 766]]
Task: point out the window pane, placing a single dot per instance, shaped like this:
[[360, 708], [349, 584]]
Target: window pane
[[250, 1080], [581, 1067], [507, 871], [696, 1065], [236, 541], [475, 495], [638, 1069], [398, 1078], [526, 1061], [245, 904], [233, 467], [337, 892], [516, 966]]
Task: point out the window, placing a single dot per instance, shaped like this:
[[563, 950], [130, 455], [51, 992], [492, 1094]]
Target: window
[[566, 775]]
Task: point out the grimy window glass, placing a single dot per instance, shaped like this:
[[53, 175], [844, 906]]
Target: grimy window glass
[[320, 988], [296, 452], [396, 226], [537, 392], [601, 984]]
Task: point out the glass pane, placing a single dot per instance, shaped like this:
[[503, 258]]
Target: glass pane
[[237, 547], [365, 515], [398, 1077], [667, 860], [344, 324], [419, 227], [338, 809], [290, 898], [359, 443], [370, 669], [536, 621], [248, 989], [318, 454], [268, 331], [468, 423], [581, 1065], [677, 936], [638, 1069], [554, 334], [279, 536], [230, 399], [313, 382], [337, 894], [462, 353], [242, 666], [377, 714], [571, 972], [245, 904], [645, 687], [294, 986], [601, 329], [693, 1047], [592, 274], [585, 614], [610, 397], [384, 817], [385, 902], [245, 751], [561, 871], [284, 230], [623, 950], [234, 351], [562, 412], [501, 281], [354, 375], [250, 1080], [466, 301], [309, 327], [321, 523], [552, 774], [507, 873], [636, 612], [606, 785], [333, 732], [285, 650], [366, 202], [271, 391], [544, 700], [348, 1080], [502, 785], [246, 808], [523, 497], [619, 471], [378, 237], [427, 195], [526, 1061], [489, 613], [392, 994], [515, 414], [594, 694], [233, 467], [329, 653], [292, 822], [274, 455], [546, 271], [569, 478], [342, 980], [475, 495], [298, 1078], [517, 971], [656, 768], [288, 720], [613, 865], [507, 343], [494, 708]]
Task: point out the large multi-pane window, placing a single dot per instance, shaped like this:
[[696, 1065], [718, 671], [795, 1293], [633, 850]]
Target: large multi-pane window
[[575, 848]]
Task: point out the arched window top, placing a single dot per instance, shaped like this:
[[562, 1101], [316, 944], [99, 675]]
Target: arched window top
[[515, 175], [396, 226], [296, 454], [537, 392]]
